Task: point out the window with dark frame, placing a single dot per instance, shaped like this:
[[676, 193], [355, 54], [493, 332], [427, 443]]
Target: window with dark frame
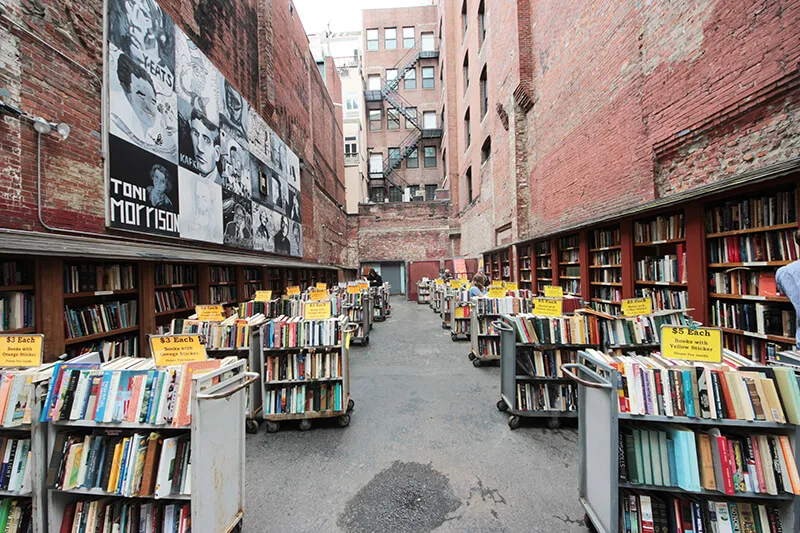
[[464, 19], [410, 79], [412, 192], [481, 23], [409, 40], [412, 112], [394, 156], [428, 78], [430, 156], [390, 38], [468, 182], [484, 93], [377, 194], [486, 150], [395, 194], [412, 161], [467, 129], [444, 163], [466, 71], [375, 120], [430, 193], [350, 146], [391, 74], [392, 119], [372, 39]]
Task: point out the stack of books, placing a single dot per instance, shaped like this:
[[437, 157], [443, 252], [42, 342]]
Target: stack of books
[[644, 329], [90, 278], [303, 365], [578, 329], [299, 399], [16, 516], [233, 333], [502, 306], [108, 516], [750, 213], [16, 310], [15, 460], [99, 318], [285, 332]]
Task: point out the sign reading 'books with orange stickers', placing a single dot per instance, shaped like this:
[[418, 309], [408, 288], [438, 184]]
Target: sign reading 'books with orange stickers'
[[21, 350], [171, 350]]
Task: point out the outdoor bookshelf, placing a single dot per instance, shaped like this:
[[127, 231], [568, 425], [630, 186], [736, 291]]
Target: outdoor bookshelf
[[222, 285], [659, 245], [544, 265], [358, 308], [176, 291], [253, 281], [17, 296], [525, 266], [569, 264], [605, 268], [424, 292]]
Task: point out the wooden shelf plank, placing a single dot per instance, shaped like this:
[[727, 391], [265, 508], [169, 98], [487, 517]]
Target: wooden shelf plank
[[617, 247], [174, 311], [660, 283], [93, 294], [773, 338], [656, 243], [606, 283], [18, 331], [781, 299], [750, 264], [177, 286], [605, 266], [15, 288], [791, 225], [96, 336]]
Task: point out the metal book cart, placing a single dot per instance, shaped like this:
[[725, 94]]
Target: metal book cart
[[446, 308], [380, 306], [598, 442], [480, 352], [360, 316], [254, 404], [217, 435], [273, 420], [511, 374], [423, 292], [460, 327], [438, 298]]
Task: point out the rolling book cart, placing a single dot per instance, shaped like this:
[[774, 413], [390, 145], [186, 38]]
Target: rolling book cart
[[607, 498], [484, 337], [359, 316], [211, 494], [437, 302], [423, 292], [307, 382], [460, 321], [537, 390], [446, 308]]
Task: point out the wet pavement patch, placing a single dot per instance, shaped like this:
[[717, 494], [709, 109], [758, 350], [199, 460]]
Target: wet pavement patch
[[406, 497]]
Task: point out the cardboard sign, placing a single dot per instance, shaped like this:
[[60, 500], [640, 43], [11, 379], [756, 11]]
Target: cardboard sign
[[553, 291], [322, 286], [637, 306], [353, 289], [210, 313], [439, 281], [21, 350], [293, 291], [317, 310], [363, 285], [496, 292], [511, 285], [316, 294], [263, 296], [171, 350], [497, 283], [548, 307], [460, 268], [683, 342], [456, 283]]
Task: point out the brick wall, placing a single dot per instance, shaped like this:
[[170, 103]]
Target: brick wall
[[261, 47]]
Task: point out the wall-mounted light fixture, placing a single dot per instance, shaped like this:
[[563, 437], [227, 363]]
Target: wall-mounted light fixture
[[44, 127]]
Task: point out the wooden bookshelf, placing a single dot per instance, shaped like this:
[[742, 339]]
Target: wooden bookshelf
[[605, 256], [659, 260], [18, 296], [252, 281], [543, 259], [569, 264], [525, 267]]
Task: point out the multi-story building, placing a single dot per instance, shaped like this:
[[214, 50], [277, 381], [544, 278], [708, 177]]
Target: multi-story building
[[402, 91], [345, 49]]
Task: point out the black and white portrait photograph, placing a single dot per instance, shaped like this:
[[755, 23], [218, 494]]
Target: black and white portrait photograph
[[260, 182], [200, 145], [196, 80], [293, 169], [296, 238], [280, 240], [236, 166], [263, 228], [278, 190], [142, 31], [233, 111], [238, 220], [258, 134], [278, 154], [201, 208], [293, 205], [144, 190]]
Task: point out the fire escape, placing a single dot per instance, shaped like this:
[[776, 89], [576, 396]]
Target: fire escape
[[388, 93]]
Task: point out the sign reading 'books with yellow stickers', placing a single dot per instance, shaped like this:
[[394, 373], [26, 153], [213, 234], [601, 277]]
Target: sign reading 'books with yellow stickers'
[[496, 292], [294, 290], [21, 350], [497, 283], [691, 344], [510, 286], [553, 291], [322, 286], [171, 350], [317, 294], [263, 296], [317, 310], [456, 283], [353, 289], [637, 306], [209, 313], [548, 307]]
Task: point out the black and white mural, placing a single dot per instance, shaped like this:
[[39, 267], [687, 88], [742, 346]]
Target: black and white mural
[[189, 157]]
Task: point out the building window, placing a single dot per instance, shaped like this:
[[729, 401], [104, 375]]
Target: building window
[[412, 192], [464, 17], [467, 133], [468, 182], [391, 74], [444, 163], [372, 39], [377, 194], [375, 119], [412, 161], [428, 78], [374, 82], [430, 157], [375, 163], [395, 194], [484, 93], [481, 23], [486, 150], [408, 37], [390, 38], [411, 112], [430, 193], [394, 157], [410, 78], [351, 102], [466, 71], [392, 119], [428, 42], [350, 146], [429, 120]]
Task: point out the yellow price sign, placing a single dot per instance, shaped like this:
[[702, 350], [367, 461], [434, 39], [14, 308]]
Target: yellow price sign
[[316, 294], [456, 283], [637, 306], [294, 290], [496, 292], [511, 286], [497, 283], [210, 313], [439, 281], [169, 350], [698, 344], [263, 296], [353, 289], [548, 307], [322, 286], [21, 350], [317, 310], [553, 291], [363, 285]]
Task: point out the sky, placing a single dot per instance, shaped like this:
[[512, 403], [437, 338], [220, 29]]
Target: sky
[[343, 15]]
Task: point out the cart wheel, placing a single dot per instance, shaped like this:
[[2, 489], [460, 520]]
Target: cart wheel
[[553, 423], [366, 340], [350, 404], [453, 336], [251, 426], [344, 421], [471, 356], [513, 421], [273, 427], [305, 425], [476, 362], [502, 405], [588, 523]]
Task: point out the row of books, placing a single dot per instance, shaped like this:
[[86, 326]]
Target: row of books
[[488, 347], [647, 513], [462, 312], [298, 399], [486, 326], [231, 333], [16, 516], [252, 274], [570, 286], [16, 310], [16, 396], [544, 363], [605, 238], [671, 267], [222, 293], [124, 390], [657, 386], [768, 246], [749, 213], [570, 241], [311, 365], [546, 396], [250, 289], [665, 299], [578, 329], [221, 274], [607, 258], [15, 474], [660, 228], [90, 278], [613, 294], [572, 271], [607, 275], [753, 349], [612, 309], [285, 332], [460, 327], [173, 299], [643, 329], [14, 273], [99, 318], [122, 346], [754, 317], [569, 256], [502, 306], [729, 463], [297, 307], [114, 515], [175, 275], [269, 309], [744, 281]]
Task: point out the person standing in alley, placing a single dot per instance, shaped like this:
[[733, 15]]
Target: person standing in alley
[[478, 286], [787, 278], [375, 279]]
